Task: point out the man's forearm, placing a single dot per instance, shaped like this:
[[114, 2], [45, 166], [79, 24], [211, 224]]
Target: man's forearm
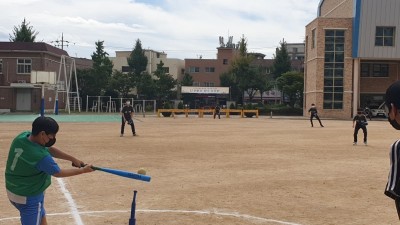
[[69, 172], [57, 153]]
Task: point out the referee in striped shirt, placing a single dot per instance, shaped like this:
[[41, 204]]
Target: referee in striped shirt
[[392, 107]]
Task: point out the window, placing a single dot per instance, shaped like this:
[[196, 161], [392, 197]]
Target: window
[[1, 66], [334, 69], [365, 70], [208, 84], [384, 36], [126, 69], [380, 70], [225, 61], [374, 70], [24, 66], [194, 69], [313, 38], [61, 85], [196, 84], [210, 69]]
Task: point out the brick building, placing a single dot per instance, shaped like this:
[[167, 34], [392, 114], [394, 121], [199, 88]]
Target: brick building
[[17, 60], [206, 72], [352, 55]]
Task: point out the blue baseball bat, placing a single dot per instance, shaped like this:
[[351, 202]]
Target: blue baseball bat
[[123, 173]]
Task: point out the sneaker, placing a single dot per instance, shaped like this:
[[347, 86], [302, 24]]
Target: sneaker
[[121, 135], [365, 143], [134, 134], [354, 143]]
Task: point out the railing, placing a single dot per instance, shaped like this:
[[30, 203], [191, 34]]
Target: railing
[[201, 112]]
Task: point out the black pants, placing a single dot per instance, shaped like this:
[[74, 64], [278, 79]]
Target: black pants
[[358, 127], [217, 113], [123, 125], [317, 117]]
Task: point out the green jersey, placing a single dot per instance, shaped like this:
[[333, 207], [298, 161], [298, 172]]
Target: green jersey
[[22, 176]]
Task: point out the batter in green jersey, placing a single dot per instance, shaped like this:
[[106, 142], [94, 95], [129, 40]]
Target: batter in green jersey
[[29, 168]]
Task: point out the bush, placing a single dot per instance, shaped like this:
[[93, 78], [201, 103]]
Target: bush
[[167, 105], [149, 108], [180, 105], [260, 107], [249, 106], [232, 106]]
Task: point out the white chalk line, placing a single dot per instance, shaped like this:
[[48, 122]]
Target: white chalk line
[[71, 202], [199, 212]]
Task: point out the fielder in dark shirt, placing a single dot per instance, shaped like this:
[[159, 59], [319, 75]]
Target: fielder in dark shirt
[[360, 121], [127, 115], [314, 113], [217, 110]]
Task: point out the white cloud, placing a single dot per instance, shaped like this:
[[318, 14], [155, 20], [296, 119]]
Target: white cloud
[[181, 28]]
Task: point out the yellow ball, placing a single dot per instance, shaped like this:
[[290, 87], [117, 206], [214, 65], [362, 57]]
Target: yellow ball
[[142, 171]]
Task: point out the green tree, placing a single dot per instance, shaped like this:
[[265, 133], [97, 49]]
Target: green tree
[[85, 80], [164, 83], [187, 80], [227, 80], [121, 83], [23, 33], [102, 68], [265, 81], [146, 87], [241, 69], [282, 63], [251, 84], [259, 83], [292, 86], [137, 60]]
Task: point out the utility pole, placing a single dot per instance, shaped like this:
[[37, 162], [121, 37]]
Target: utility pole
[[61, 42]]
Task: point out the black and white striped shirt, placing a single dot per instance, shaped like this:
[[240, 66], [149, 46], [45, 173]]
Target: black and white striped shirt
[[393, 186]]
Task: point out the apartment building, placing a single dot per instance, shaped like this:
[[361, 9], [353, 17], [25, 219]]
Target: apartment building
[[352, 55], [296, 50], [174, 67]]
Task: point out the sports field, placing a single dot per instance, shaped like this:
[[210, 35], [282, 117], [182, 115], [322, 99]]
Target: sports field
[[229, 171]]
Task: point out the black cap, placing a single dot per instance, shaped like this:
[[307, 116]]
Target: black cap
[[393, 94], [46, 124]]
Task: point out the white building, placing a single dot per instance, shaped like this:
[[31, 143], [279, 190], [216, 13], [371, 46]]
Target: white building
[[174, 67]]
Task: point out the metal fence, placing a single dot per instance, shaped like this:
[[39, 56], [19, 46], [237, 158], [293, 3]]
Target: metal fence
[[107, 104]]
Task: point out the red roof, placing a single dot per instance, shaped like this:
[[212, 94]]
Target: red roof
[[30, 46]]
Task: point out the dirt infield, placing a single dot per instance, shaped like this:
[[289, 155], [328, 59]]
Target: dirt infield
[[228, 171]]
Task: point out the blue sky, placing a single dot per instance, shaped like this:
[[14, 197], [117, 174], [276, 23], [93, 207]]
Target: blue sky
[[181, 28]]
